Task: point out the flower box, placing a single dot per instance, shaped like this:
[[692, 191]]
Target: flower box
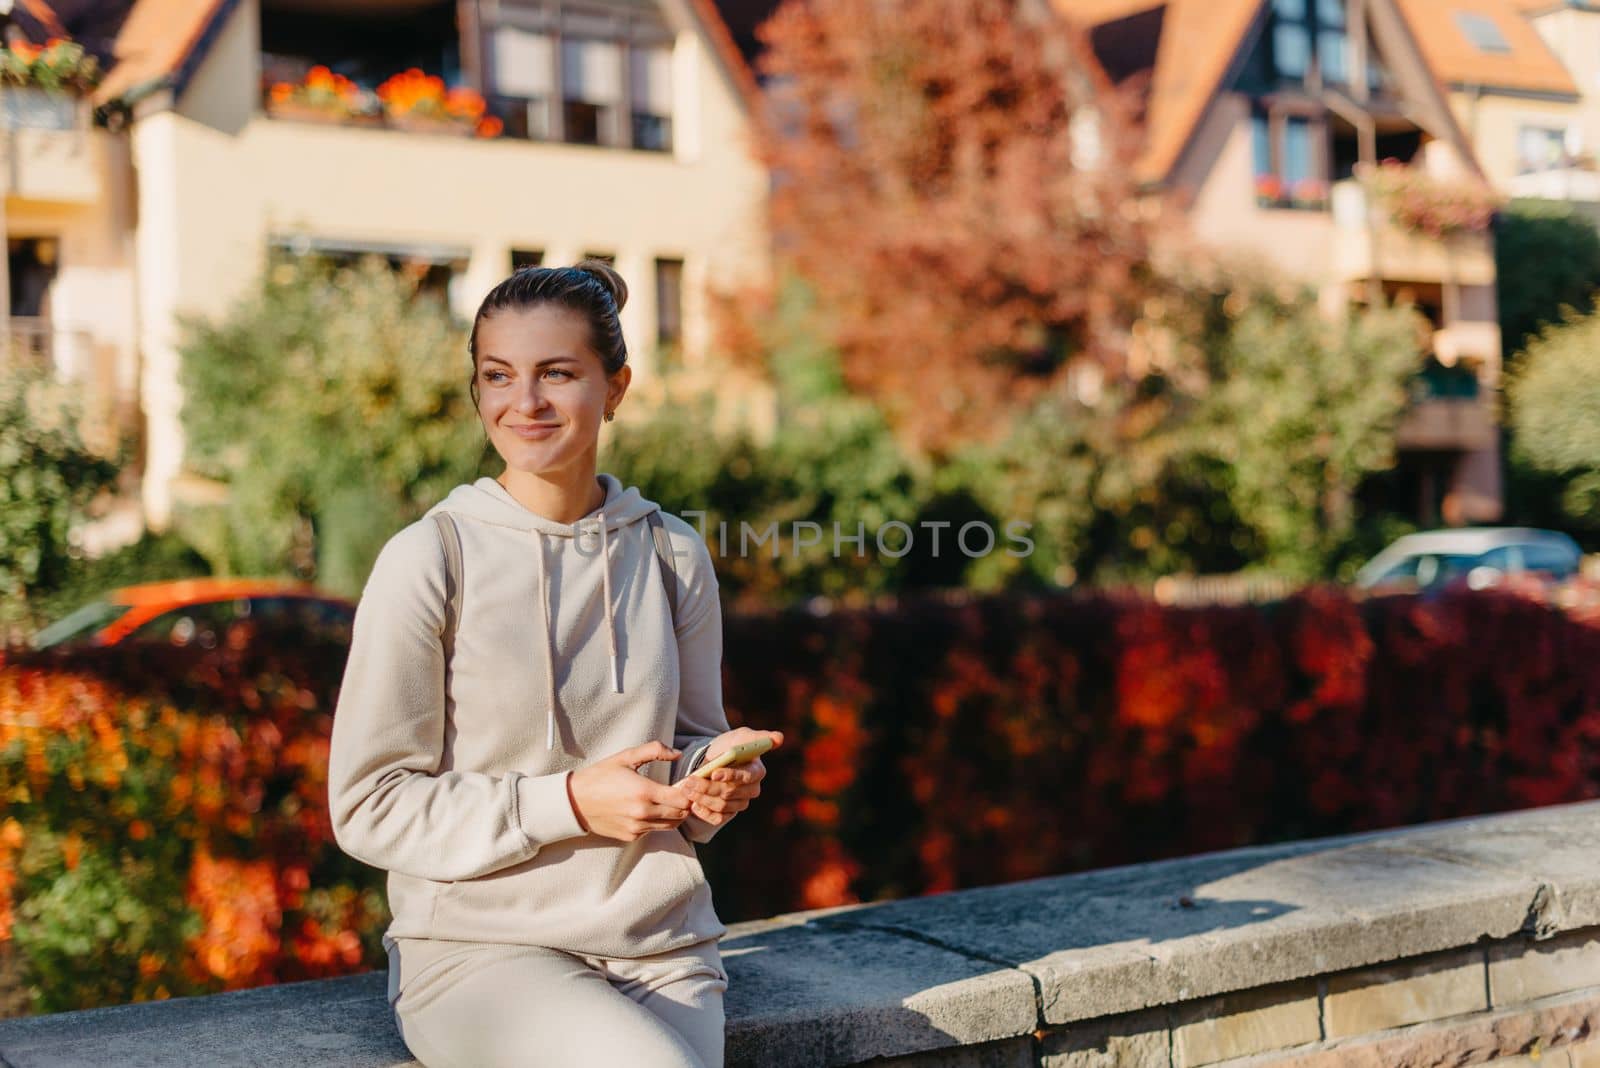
[[25, 107], [428, 124]]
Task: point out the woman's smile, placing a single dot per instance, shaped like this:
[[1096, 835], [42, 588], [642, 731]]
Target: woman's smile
[[535, 431]]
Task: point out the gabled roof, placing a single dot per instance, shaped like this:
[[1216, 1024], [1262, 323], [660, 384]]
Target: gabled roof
[[162, 42], [1202, 40], [1199, 41], [1527, 65]]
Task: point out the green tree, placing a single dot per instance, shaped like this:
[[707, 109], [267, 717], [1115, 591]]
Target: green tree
[[1554, 396], [1243, 447], [48, 477], [833, 461], [1547, 257], [333, 403], [1305, 409]]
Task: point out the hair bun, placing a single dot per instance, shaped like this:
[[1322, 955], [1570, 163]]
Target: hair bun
[[607, 276]]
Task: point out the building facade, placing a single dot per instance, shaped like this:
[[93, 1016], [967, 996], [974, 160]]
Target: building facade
[[1258, 119], [610, 128]]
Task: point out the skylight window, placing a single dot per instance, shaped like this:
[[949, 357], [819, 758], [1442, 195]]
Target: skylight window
[[1481, 31]]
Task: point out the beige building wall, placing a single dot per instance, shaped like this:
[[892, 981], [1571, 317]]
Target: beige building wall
[[1491, 121], [219, 181], [1219, 167]]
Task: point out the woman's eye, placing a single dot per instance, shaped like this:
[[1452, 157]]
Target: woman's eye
[[494, 376], [559, 371]]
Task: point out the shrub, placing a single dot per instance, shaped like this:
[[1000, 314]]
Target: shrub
[[1547, 258], [1244, 445], [1555, 412], [333, 402], [48, 478], [166, 828]]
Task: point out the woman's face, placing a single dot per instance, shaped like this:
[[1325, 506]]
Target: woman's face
[[542, 392]]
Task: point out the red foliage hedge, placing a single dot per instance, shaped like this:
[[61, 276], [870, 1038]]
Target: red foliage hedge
[[936, 746], [929, 746]]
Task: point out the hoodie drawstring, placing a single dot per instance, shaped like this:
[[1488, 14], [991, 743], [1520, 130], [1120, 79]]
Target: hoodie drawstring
[[549, 652], [605, 578]]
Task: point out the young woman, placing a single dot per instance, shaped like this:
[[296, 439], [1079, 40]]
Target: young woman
[[528, 792]]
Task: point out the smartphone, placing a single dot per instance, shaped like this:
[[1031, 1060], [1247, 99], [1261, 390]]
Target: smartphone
[[742, 753]]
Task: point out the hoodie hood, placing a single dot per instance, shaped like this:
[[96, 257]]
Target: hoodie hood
[[487, 501]]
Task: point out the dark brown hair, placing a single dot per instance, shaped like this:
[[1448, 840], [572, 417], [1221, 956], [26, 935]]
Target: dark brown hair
[[592, 288]]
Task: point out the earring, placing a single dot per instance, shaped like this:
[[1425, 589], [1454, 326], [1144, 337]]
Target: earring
[[610, 416]]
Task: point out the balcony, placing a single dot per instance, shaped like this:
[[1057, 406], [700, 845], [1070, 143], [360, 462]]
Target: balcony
[[49, 150], [1448, 412], [1367, 244], [599, 74]]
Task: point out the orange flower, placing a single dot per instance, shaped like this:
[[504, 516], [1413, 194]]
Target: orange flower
[[489, 126]]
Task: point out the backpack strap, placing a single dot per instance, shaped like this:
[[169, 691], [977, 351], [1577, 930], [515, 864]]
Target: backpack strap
[[664, 557], [451, 537]]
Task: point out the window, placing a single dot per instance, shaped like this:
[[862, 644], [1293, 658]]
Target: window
[[432, 270], [591, 90], [669, 307], [1291, 158], [1540, 148], [650, 88], [363, 42], [1309, 34], [608, 257], [596, 74], [1482, 32], [198, 624], [80, 626], [306, 618], [1550, 560], [524, 257], [522, 63]]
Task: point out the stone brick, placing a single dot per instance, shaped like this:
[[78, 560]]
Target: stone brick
[[1134, 1040], [1251, 1021], [1376, 999], [1539, 1032], [1524, 970]]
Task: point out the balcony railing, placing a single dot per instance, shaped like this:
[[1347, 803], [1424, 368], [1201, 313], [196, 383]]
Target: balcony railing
[[48, 148], [1369, 245]]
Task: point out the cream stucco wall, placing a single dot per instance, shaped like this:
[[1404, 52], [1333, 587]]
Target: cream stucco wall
[[219, 180], [1218, 171], [1491, 122]]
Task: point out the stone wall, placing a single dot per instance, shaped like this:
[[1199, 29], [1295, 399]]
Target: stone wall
[[1460, 943]]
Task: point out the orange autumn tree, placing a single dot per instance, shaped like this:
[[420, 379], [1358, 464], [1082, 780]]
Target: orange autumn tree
[[952, 178]]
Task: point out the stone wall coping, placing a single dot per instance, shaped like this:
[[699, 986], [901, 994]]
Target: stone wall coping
[[843, 985]]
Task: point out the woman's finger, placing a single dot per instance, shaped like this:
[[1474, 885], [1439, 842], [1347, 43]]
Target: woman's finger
[[754, 771]]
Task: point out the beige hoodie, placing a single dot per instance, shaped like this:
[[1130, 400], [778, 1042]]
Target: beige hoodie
[[453, 777]]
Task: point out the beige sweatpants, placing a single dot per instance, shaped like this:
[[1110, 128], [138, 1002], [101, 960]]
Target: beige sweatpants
[[487, 1004]]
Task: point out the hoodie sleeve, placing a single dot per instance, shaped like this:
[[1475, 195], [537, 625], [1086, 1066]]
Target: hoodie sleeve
[[390, 805], [700, 714]]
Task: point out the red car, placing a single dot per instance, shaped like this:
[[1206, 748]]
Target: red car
[[201, 611]]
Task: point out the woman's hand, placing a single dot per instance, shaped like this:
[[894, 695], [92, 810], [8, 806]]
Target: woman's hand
[[729, 790], [611, 799]]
